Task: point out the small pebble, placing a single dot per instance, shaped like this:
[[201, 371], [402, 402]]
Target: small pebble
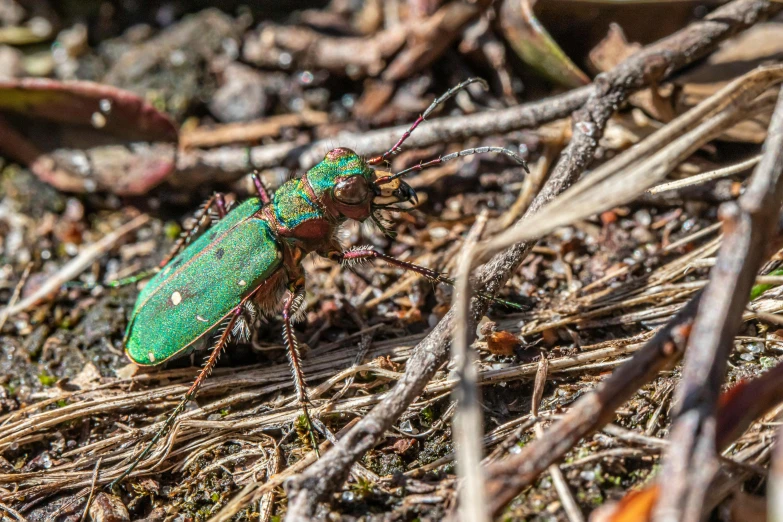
[[108, 508]]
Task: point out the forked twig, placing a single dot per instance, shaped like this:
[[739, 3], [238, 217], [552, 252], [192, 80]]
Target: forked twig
[[508, 477], [230, 163]]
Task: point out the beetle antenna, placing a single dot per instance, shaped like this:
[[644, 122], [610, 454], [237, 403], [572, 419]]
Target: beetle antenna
[[454, 155], [439, 100]]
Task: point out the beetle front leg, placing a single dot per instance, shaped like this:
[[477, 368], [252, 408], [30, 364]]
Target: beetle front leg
[[360, 254]]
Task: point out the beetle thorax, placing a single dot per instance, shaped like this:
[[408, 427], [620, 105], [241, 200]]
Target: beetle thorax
[[312, 208], [296, 214]]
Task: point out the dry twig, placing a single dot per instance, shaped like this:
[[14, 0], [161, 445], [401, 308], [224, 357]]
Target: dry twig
[[706, 176], [628, 176], [508, 477], [76, 266], [230, 163]]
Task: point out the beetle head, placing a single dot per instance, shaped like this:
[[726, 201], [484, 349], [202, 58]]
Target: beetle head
[[346, 185]]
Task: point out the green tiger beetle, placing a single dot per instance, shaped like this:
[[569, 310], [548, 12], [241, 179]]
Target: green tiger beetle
[[211, 286]]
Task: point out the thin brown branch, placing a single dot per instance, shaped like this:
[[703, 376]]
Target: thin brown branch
[[749, 227], [731, 170], [248, 132], [76, 266], [231, 163], [609, 92]]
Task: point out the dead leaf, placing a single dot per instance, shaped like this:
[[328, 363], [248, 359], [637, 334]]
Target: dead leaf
[[119, 169], [108, 508], [502, 343], [128, 371], [745, 402], [403, 445], [636, 506], [758, 45], [535, 46], [385, 363], [550, 336], [108, 108], [70, 162], [615, 48], [612, 50]]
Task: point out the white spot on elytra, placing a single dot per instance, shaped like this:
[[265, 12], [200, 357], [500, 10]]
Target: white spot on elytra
[[176, 298], [201, 319], [242, 282], [151, 356]]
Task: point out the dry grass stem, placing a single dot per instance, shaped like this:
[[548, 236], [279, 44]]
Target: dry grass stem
[[468, 419]]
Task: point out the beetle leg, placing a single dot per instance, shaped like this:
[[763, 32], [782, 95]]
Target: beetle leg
[[217, 201], [225, 336], [263, 192], [293, 303], [359, 254]]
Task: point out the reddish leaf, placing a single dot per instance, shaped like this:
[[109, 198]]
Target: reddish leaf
[[550, 336], [403, 445], [120, 169], [85, 103], [747, 401]]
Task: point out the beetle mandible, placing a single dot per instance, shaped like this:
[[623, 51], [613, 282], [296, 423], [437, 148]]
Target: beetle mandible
[[251, 259]]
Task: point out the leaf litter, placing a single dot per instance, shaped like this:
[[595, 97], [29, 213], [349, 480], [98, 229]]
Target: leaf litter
[[609, 271]]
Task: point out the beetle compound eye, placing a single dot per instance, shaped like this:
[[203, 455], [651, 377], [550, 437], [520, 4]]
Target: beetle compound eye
[[352, 191]]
